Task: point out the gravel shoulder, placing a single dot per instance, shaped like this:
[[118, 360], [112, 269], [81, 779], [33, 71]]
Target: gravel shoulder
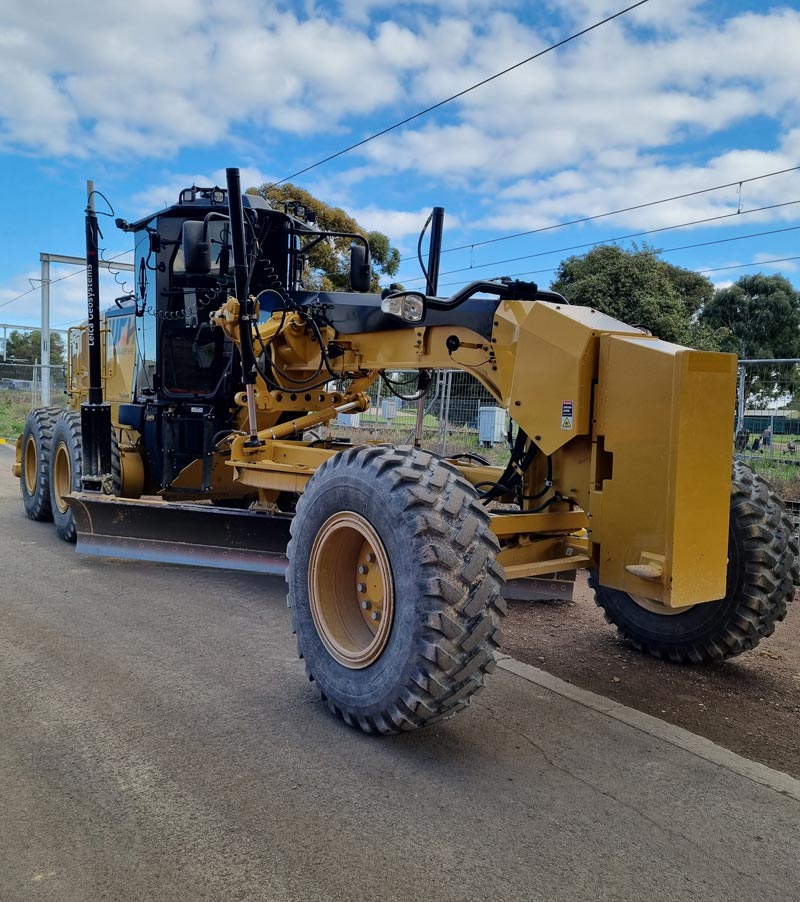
[[750, 704]]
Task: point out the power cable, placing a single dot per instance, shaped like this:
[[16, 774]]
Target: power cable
[[6, 303], [534, 272], [69, 275], [642, 206], [743, 265], [573, 247], [452, 97]]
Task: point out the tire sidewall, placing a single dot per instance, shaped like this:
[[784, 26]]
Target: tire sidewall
[[65, 435], [762, 568], [37, 503], [687, 627], [370, 688]]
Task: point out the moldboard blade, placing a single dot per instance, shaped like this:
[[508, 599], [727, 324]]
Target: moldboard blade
[[180, 533]]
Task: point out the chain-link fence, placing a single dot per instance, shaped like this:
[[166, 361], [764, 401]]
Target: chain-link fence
[[21, 389], [26, 379], [459, 416], [767, 433]]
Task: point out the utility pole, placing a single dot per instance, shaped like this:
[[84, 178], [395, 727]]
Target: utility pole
[[46, 260], [45, 343]]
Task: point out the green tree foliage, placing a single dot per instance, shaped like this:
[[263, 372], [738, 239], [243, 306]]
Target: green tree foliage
[[328, 264], [640, 289], [760, 316], [26, 346]]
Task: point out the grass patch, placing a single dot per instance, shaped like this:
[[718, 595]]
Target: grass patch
[[781, 471], [14, 408]]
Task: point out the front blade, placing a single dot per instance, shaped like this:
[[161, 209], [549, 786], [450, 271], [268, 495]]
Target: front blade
[[180, 533]]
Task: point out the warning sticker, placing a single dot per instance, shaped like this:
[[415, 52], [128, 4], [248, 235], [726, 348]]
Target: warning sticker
[[566, 414], [566, 423]]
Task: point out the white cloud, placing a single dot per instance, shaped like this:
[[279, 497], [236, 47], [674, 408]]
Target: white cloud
[[150, 77], [764, 260], [619, 181], [211, 70], [594, 126], [157, 196], [397, 224], [574, 106], [67, 295]]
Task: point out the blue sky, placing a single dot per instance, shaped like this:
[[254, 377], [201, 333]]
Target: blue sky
[[675, 97]]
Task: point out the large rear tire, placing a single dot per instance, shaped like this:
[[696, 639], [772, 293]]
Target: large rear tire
[[762, 571], [35, 476], [394, 589], [66, 470]]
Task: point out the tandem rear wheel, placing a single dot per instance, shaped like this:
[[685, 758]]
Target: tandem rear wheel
[[762, 571], [35, 482], [394, 589]]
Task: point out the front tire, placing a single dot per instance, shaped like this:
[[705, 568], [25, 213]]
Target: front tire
[[394, 589], [762, 571], [66, 470]]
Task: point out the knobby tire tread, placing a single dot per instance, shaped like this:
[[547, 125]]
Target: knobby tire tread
[[770, 572], [37, 506], [459, 576]]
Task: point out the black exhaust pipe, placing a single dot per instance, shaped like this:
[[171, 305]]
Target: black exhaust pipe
[[246, 308], [95, 415]]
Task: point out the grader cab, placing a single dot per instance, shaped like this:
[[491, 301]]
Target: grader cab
[[205, 448]]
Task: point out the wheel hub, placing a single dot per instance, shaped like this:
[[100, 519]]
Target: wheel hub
[[351, 590], [31, 467], [62, 477]]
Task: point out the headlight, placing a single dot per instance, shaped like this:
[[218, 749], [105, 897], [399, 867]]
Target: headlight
[[408, 306]]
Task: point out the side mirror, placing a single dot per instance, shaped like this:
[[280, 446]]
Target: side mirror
[[196, 248], [360, 268]]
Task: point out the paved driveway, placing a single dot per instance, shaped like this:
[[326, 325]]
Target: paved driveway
[[158, 741]]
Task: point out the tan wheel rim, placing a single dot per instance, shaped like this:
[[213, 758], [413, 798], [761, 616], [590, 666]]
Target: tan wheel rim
[[351, 590], [31, 465], [62, 476], [655, 607]]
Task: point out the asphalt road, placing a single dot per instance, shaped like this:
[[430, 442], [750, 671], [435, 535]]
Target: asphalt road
[[158, 741]]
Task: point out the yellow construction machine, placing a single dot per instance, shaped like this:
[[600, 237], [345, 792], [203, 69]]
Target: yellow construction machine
[[194, 435]]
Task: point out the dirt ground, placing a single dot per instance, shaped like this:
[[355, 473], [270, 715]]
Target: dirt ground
[[750, 704]]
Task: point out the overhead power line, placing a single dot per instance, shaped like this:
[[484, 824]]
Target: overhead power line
[[452, 97], [534, 272], [744, 265], [642, 206], [22, 295], [69, 275], [682, 225]]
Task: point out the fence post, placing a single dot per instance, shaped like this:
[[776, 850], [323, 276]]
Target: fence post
[[444, 421], [45, 333], [740, 406]]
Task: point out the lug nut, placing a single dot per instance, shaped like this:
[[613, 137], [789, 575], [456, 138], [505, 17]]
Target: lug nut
[[376, 615], [362, 569], [366, 605], [362, 587], [370, 558]]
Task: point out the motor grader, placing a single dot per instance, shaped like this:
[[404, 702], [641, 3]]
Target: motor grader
[[195, 434]]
